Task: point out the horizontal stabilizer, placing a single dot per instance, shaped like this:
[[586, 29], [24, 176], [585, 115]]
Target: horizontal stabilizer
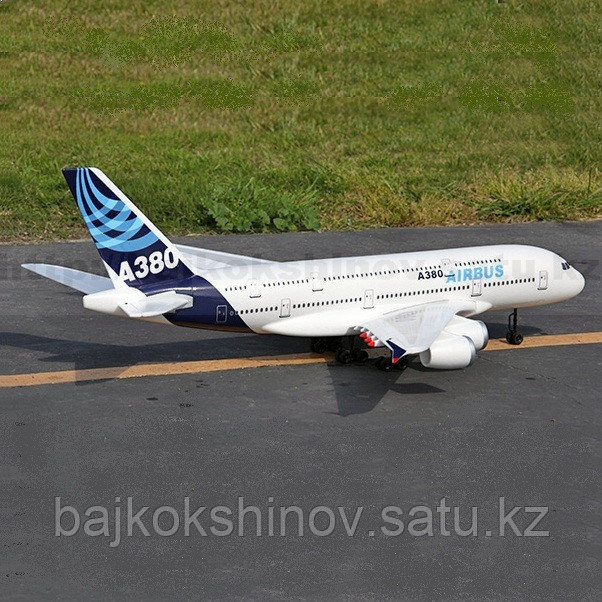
[[156, 305], [80, 281], [135, 304]]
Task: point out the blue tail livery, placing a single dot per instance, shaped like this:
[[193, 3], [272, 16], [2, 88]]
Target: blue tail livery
[[134, 251]]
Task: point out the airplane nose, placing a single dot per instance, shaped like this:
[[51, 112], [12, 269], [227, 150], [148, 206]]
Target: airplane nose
[[578, 283]]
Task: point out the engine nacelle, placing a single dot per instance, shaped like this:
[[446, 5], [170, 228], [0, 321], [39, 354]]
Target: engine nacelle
[[475, 330], [449, 352]]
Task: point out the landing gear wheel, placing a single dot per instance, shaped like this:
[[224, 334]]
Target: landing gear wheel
[[344, 356], [402, 364], [319, 345], [513, 336], [360, 356], [333, 343], [384, 363]]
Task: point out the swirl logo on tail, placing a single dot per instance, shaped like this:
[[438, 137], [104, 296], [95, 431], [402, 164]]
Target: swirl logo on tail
[[133, 249]]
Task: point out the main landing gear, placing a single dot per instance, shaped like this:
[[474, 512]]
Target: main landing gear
[[348, 356], [385, 364], [320, 345], [347, 352], [513, 336], [343, 347]]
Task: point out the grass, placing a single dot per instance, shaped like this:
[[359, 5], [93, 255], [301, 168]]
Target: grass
[[281, 115]]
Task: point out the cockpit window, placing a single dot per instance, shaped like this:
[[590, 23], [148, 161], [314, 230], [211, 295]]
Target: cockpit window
[[565, 265]]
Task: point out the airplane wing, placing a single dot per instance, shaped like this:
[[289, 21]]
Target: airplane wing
[[412, 329], [80, 281], [206, 259]]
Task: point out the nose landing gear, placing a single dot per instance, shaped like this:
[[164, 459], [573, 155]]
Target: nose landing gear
[[513, 336]]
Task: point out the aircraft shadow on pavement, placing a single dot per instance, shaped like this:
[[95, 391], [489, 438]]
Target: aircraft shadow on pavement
[[85, 355], [361, 389], [357, 388]]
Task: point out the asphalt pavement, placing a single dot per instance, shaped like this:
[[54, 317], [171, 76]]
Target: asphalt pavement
[[519, 424]]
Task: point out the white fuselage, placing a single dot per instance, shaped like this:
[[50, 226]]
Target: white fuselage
[[329, 297]]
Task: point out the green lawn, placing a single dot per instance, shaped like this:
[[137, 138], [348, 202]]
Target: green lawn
[[277, 115]]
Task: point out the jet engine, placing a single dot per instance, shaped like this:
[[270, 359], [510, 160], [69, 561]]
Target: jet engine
[[449, 352], [475, 330]]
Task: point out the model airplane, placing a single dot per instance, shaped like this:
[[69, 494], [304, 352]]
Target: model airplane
[[411, 303]]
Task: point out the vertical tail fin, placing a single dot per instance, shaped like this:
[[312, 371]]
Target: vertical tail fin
[[133, 250]]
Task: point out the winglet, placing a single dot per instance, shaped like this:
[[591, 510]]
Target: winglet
[[397, 352]]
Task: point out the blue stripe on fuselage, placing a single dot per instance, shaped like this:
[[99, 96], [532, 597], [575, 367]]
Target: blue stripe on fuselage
[[206, 300]]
